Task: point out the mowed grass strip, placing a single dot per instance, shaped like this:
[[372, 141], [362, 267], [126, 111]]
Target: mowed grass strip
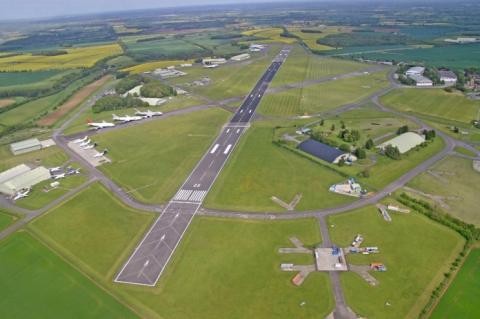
[[436, 103], [461, 298], [151, 160], [6, 219], [37, 283], [258, 170], [94, 228], [82, 57], [49, 157], [74, 101], [416, 250], [324, 96], [231, 269]]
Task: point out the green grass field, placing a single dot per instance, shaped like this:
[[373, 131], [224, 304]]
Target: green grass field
[[241, 276], [258, 170], [52, 156], [160, 154], [6, 219], [36, 282], [461, 298], [435, 103], [415, 250], [93, 229], [322, 97], [301, 65], [458, 183]]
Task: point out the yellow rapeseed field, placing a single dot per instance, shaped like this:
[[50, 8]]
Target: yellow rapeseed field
[[270, 34], [75, 58], [310, 39]]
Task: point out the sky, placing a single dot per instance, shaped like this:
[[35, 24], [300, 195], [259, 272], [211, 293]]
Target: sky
[[27, 9]]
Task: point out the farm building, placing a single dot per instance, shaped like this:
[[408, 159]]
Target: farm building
[[325, 152], [448, 77], [416, 70], [25, 146], [240, 57], [404, 142], [20, 177]]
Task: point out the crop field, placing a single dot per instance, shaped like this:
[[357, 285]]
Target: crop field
[[258, 170], [31, 110], [22, 83], [324, 96], [218, 47], [6, 219], [82, 57], [90, 224], [310, 38], [192, 283], [301, 66], [448, 179], [434, 103], [52, 156], [179, 102], [160, 154], [452, 56], [166, 48], [150, 66], [416, 250], [6, 102], [269, 35], [36, 281], [73, 101], [461, 298]]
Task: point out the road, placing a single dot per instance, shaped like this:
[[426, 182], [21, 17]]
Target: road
[[153, 253]]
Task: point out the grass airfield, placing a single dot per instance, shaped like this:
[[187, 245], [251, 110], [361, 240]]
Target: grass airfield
[[416, 250]]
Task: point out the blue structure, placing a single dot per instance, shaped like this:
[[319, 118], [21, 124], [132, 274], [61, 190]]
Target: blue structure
[[323, 151]]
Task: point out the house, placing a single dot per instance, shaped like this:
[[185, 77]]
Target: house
[[404, 142], [416, 70], [325, 152], [448, 77], [26, 146]]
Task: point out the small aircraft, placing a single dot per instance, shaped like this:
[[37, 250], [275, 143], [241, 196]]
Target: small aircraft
[[58, 176], [73, 171], [80, 140], [100, 154], [89, 146], [55, 169], [85, 143], [148, 113], [100, 125], [22, 193], [126, 118]]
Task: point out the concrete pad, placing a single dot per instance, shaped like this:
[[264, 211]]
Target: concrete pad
[[325, 261], [88, 155]]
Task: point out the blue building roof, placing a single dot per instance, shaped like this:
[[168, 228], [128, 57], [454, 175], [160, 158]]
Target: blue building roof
[[320, 150]]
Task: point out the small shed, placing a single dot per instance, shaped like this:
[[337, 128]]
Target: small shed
[[25, 146]]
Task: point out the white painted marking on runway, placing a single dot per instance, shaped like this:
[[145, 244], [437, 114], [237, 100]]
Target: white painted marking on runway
[[241, 110], [227, 149], [250, 111], [228, 130], [214, 149], [238, 130]]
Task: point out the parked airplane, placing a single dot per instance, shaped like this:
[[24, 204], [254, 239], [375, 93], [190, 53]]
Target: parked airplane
[[126, 118], [100, 154], [21, 194], [59, 176], [80, 140], [148, 113], [100, 125], [55, 169], [72, 171], [89, 146], [85, 143]]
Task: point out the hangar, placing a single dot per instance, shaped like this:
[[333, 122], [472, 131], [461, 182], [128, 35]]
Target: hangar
[[404, 142], [325, 152], [20, 177], [25, 146]]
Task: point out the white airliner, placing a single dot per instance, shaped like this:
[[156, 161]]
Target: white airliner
[[126, 118], [80, 140], [55, 169], [59, 176], [100, 125], [21, 194], [100, 154], [90, 146], [148, 113], [85, 143]]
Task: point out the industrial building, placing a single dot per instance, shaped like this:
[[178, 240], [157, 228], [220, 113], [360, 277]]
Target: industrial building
[[420, 80], [26, 146], [325, 152], [213, 61], [168, 73], [448, 77], [256, 47], [240, 57], [21, 177], [404, 142], [416, 70]]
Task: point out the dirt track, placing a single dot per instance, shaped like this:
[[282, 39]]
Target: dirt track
[[73, 102]]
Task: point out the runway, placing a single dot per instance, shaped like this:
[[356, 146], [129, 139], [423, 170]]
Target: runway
[[153, 253]]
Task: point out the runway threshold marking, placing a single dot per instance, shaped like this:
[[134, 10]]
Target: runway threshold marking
[[227, 149], [214, 149]]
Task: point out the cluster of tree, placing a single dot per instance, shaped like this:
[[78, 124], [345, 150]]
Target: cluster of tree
[[108, 103], [360, 153], [460, 85], [287, 34], [402, 129], [310, 31], [50, 53], [226, 36], [349, 136], [429, 134], [157, 89], [392, 151], [320, 137], [405, 80], [432, 74], [369, 144], [159, 37], [128, 83]]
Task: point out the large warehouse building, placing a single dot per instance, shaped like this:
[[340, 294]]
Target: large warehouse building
[[404, 142], [25, 146], [325, 152], [21, 177]]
